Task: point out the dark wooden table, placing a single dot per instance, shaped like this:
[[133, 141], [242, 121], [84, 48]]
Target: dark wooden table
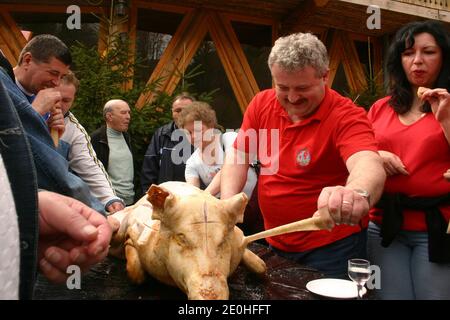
[[108, 280]]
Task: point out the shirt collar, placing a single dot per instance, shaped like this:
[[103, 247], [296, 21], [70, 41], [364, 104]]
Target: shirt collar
[[112, 131], [23, 89]]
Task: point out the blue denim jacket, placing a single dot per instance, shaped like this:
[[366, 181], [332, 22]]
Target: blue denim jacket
[[16, 154], [52, 169]]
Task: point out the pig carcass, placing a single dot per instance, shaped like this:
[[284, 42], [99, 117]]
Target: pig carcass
[[185, 237]]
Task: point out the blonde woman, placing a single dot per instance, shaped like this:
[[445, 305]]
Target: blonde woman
[[200, 122]]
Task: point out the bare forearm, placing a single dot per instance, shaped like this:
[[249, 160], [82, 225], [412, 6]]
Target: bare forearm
[[234, 175], [446, 129], [348, 204], [367, 173], [214, 186], [193, 181]]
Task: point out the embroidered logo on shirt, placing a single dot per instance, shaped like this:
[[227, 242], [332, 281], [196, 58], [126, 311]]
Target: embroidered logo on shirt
[[303, 157]]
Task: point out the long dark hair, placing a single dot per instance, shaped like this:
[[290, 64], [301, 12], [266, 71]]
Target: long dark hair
[[399, 86]]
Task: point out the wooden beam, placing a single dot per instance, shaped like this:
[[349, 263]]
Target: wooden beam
[[405, 8], [178, 54], [103, 32], [275, 36], [377, 50], [354, 71], [144, 4], [360, 36], [323, 34], [321, 3], [275, 32], [11, 38], [132, 32], [46, 8], [249, 19], [438, 4], [111, 27], [297, 17], [233, 59], [335, 53]]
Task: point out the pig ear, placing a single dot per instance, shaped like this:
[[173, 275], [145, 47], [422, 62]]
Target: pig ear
[[236, 206], [159, 198]]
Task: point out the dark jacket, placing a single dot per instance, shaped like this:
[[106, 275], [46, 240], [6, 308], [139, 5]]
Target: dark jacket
[[16, 153], [99, 140], [393, 205], [158, 166]]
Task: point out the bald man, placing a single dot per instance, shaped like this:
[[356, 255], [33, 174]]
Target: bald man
[[112, 145]]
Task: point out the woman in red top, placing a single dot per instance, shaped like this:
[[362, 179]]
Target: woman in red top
[[407, 232]]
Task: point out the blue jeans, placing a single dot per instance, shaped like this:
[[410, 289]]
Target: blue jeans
[[406, 273], [332, 259]]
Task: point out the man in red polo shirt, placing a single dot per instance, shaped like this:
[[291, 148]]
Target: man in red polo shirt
[[317, 150]]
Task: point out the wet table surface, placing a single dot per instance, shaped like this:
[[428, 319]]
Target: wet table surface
[[108, 280]]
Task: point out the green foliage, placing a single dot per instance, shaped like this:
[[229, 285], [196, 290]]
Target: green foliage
[[371, 93], [103, 77]]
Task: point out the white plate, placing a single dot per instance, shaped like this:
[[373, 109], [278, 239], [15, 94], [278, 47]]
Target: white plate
[[334, 288]]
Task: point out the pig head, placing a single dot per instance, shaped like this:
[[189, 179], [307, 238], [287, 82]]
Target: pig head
[[185, 237]]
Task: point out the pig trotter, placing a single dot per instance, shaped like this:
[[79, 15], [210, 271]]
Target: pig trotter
[[253, 262], [134, 268]]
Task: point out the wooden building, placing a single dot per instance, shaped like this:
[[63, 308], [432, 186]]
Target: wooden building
[[343, 25]]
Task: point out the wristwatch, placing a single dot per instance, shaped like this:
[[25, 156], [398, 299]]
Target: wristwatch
[[363, 193]]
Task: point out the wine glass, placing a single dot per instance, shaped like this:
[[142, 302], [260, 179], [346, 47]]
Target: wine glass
[[359, 272]]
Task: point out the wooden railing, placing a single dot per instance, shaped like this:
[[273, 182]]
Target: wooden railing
[[429, 9], [435, 4]]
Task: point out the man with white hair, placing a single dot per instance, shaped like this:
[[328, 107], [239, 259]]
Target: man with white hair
[[113, 148], [326, 154]]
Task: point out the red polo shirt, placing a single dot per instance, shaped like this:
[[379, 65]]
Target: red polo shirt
[[424, 151], [311, 155]]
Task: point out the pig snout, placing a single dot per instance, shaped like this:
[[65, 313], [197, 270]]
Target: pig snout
[[208, 286]]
